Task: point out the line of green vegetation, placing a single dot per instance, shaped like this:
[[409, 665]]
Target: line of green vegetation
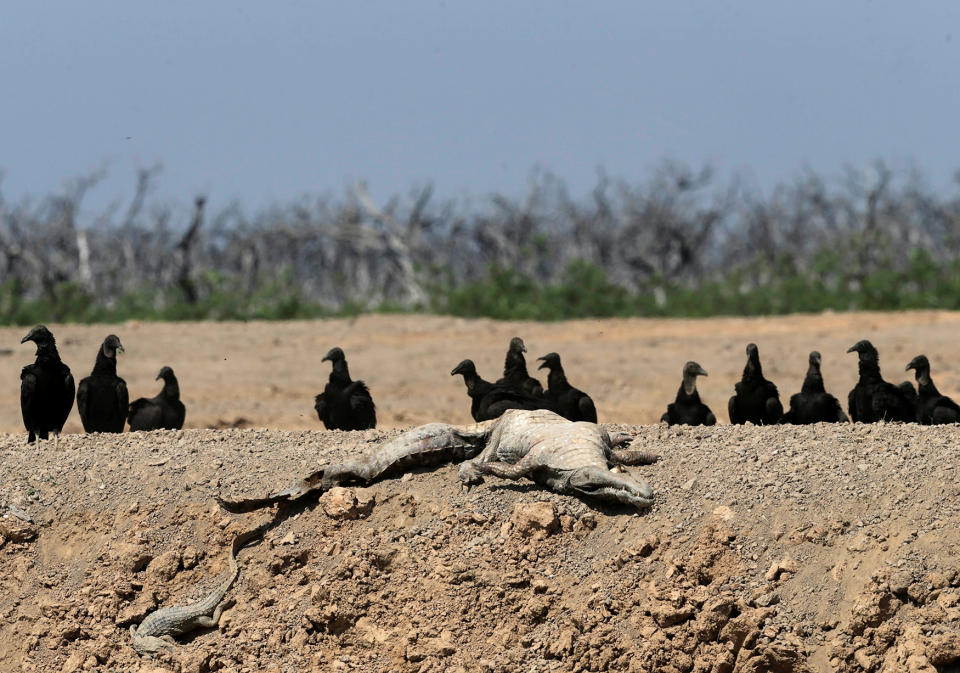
[[584, 291], [768, 289]]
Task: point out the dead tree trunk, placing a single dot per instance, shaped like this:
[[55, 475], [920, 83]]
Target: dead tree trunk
[[184, 247]]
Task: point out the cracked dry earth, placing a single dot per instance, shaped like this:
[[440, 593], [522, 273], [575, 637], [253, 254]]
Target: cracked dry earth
[[784, 549]]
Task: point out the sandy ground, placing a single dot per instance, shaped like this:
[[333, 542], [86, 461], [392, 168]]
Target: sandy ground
[[777, 549], [772, 549], [265, 374]]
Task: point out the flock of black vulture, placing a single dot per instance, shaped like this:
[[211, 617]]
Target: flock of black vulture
[[518, 390], [47, 393], [47, 390], [756, 400], [347, 405]]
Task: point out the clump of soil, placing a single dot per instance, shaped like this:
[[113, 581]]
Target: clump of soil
[[785, 549]]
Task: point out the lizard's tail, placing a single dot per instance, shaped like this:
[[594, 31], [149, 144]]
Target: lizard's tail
[[502, 470], [241, 541]]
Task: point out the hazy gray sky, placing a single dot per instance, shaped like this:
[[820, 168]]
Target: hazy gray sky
[[270, 100]]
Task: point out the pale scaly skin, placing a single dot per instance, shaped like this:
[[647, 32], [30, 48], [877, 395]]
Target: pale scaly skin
[[564, 456], [156, 631], [423, 446]]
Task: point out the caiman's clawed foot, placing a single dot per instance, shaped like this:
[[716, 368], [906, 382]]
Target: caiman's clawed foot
[[469, 475], [618, 438]]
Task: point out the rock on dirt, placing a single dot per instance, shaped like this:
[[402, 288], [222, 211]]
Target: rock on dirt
[[345, 503], [535, 519]]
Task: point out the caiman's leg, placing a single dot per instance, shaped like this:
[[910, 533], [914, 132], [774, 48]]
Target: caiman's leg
[[502, 470], [632, 457], [611, 487], [511, 438], [555, 480], [590, 482], [625, 456]]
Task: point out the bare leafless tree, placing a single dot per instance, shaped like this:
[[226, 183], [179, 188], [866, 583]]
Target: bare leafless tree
[[680, 227]]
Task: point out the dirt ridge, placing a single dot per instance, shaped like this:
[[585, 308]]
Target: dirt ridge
[[814, 548]]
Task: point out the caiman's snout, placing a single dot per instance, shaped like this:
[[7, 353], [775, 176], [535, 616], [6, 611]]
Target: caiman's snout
[[605, 485]]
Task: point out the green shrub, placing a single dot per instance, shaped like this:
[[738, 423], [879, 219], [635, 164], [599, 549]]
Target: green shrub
[[583, 291]]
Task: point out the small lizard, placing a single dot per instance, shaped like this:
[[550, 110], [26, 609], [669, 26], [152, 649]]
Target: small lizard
[[177, 620]]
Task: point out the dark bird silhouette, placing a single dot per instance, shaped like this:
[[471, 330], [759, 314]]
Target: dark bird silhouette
[[932, 407], [571, 403], [490, 400], [102, 398], [344, 404], [687, 409], [813, 404], [163, 412], [46, 388], [515, 370], [755, 399], [874, 399]]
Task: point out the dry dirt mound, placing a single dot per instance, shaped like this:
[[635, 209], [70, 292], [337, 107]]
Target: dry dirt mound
[[769, 549]]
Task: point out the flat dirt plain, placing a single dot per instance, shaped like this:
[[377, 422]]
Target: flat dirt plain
[[265, 374], [784, 549]]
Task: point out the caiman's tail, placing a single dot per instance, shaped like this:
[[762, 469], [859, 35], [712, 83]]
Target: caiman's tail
[[423, 446], [308, 484], [502, 470]]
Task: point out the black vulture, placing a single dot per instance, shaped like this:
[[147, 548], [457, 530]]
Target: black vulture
[[687, 409], [515, 370], [874, 399], [932, 407], [571, 403], [344, 404], [46, 388], [813, 404], [490, 400], [163, 412], [755, 399], [102, 397]]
